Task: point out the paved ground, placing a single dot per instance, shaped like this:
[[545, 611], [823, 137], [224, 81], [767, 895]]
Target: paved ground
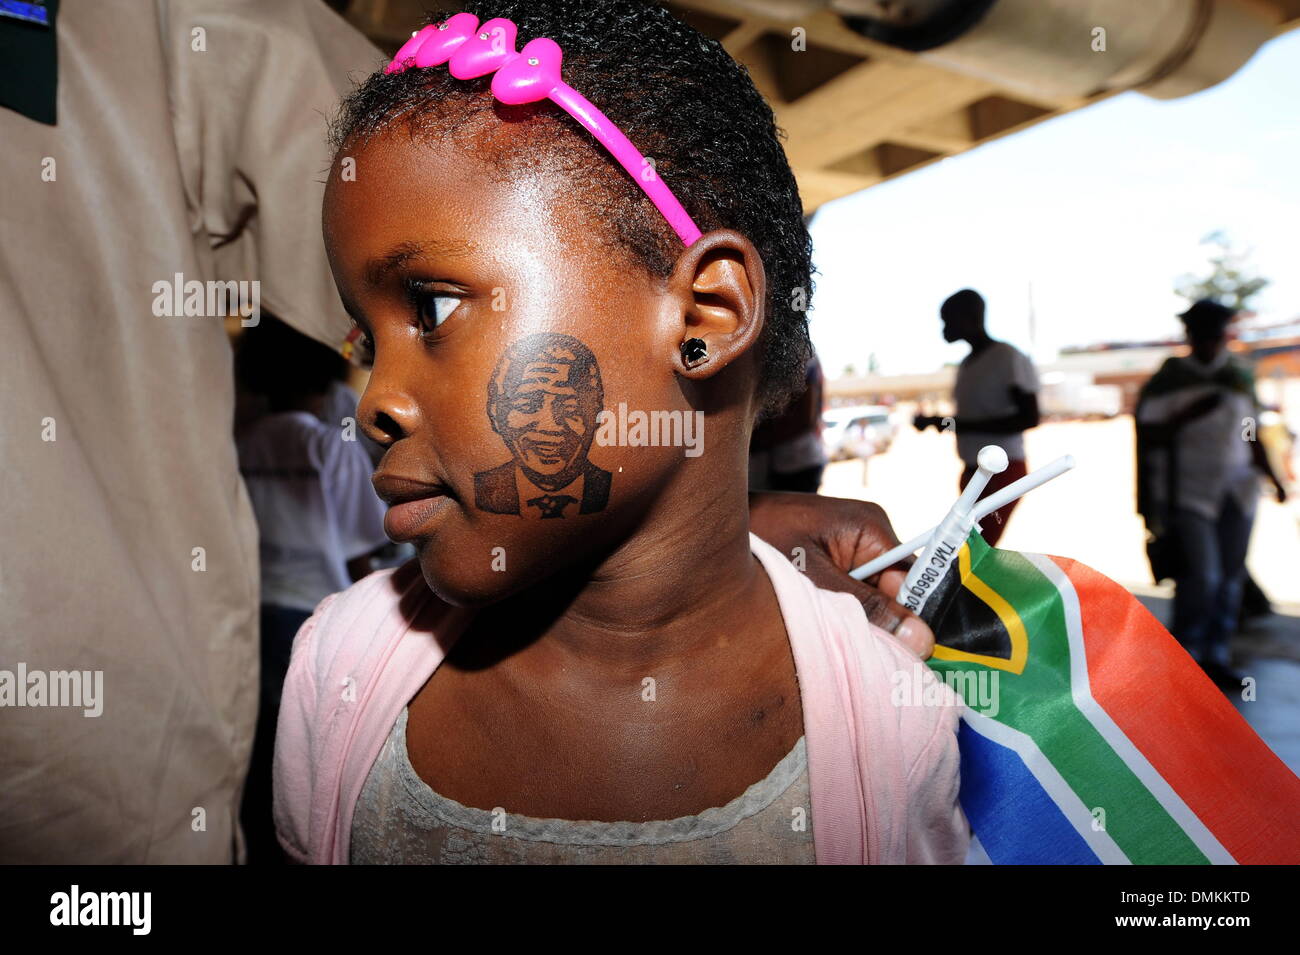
[[1089, 514]]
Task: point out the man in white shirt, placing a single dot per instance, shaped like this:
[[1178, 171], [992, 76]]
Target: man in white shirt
[[996, 394]]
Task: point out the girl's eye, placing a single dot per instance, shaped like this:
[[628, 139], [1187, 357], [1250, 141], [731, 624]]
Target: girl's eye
[[432, 307]]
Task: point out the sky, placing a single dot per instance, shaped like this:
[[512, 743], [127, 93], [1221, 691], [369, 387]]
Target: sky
[[1100, 211]]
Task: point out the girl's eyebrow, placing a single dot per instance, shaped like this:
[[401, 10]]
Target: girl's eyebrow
[[380, 267]]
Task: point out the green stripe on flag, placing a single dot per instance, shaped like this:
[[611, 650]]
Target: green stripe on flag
[[1038, 702]]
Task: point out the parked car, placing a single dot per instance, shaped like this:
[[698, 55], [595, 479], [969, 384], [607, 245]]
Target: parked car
[[857, 432], [1074, 397]]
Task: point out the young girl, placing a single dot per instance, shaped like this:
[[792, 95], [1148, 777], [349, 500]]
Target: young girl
[[592, 660]]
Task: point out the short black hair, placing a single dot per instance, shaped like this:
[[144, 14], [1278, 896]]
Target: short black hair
[[1207, 319], [682, 101], [966, 302]]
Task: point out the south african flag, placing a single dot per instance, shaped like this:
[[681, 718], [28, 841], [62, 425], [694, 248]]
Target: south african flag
[[1089, 735]]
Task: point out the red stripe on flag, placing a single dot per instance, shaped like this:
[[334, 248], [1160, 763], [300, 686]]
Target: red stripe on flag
[[1185, 727]]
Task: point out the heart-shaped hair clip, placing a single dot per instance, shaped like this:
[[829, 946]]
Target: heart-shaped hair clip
[[486, 51], [471, 50], [447, 37], [406, 53], [531, 76]]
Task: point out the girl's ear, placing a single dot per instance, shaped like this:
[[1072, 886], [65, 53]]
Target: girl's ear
[[720, 291]]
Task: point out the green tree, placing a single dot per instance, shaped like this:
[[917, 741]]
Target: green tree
[[1231, 281]]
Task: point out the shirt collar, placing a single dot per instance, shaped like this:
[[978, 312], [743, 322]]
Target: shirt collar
[[1213, 365], [528, 490]]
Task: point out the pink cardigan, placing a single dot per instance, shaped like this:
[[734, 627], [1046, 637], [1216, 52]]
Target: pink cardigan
[[883, 777]]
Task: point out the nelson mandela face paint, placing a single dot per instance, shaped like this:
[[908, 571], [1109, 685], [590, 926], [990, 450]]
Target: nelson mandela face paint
[[543, 399]]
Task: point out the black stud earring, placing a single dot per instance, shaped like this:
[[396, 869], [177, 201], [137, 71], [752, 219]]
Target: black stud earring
[[694, 352]]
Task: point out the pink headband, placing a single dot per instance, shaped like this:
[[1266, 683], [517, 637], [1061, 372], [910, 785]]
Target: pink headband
[[530, 76]]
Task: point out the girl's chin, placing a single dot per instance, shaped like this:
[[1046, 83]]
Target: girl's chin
[[471, 564], [459, 586]]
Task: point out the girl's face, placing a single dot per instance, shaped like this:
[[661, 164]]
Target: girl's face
[[501, 329]]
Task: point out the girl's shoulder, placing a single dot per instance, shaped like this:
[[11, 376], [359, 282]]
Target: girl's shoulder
[[879, 723], [352, 633], [912, 705], [355, 663], [840, 652]]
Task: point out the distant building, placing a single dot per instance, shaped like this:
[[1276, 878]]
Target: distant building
[[1072, 382]]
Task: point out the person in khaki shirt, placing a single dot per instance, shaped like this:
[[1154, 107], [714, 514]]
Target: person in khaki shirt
[[189, 141]]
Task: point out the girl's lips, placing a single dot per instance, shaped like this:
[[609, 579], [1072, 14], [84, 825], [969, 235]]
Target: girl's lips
[[404, 521]]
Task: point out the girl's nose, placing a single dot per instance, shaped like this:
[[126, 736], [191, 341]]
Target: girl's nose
[[387, 414]]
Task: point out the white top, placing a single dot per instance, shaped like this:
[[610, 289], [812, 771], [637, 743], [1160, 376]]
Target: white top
[[1214, 459], [340, 404], [983, 390], [400, 820], [316, 508]]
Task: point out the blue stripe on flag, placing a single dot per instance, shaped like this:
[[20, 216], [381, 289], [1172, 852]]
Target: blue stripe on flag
[[1013, 817]]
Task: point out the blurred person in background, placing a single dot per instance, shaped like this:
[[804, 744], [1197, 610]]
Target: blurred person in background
[[1279, 445], [786, 453], [319, 520], [1199, 465], [339, 405], [996, 396]]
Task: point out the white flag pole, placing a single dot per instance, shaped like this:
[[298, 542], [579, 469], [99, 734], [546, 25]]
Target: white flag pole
[[981, 510], [951, 533]]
